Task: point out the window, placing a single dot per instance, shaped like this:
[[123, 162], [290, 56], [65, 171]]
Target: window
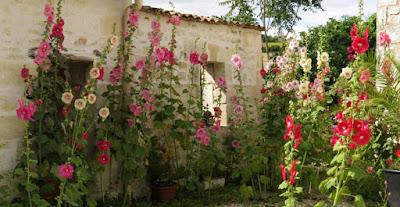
[[210, 92]]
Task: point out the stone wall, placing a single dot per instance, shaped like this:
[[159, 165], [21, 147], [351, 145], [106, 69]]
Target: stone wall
[[88, 24], [388, 19]]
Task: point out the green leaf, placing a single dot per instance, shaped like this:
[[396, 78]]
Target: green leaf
[[30, 187], [320, 204], [359, 201], [18, 171], [283, 185]]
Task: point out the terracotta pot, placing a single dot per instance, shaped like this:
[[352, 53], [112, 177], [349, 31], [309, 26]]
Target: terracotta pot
[[164, 194]]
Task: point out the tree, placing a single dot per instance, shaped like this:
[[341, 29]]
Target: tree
[[279, 14]]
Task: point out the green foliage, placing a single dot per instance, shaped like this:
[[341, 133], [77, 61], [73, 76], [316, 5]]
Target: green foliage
[[334, 38]]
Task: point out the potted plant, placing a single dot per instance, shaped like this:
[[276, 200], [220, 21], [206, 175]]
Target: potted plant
[[163, 186]]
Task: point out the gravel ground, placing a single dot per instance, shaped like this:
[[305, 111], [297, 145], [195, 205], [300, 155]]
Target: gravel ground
[[305, 203]]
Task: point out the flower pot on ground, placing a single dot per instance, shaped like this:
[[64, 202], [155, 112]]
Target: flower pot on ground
[[215, 182], [393, 181], [164, 193]]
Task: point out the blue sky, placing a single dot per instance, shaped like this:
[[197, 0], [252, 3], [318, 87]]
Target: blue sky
[[333, 8]]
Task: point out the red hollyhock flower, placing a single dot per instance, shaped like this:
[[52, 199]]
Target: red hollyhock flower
[[293, 168], [217, 111], [103, 145], [101, 74], [353, 33], [293, 178], [85, 136], [389, 162], [358, 125], [104, 159], [351, 57], [397, 153], [263, 72], [360, 44], [339, 116], [57, 31], [361, 138], [297, 131], [66, 110], [61, 22], [296, 145], [350, 49], [194, 58], [334, 140], [344, 128], [289, 123], [283, 170], [352, 145], [263, 91], [25, 74]]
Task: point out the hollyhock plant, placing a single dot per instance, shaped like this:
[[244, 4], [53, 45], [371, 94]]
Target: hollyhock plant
[[293, 138], [103, 145], [65, 171]]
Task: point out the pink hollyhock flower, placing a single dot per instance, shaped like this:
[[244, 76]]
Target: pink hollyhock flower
[[237, 61], [174, 20], [155, 41], [138, 111], [26, 112], [217, 126], [104, 159], [145, 94], [39, 102], [221, 82], [130, 123], [205, 141], [353, 33], [160, 55], [194, 58], [126, 34], [140, 64], [133, 107], [201, 133], [113, 80], [25, 74], [44, 49], [384, 39], [235, 144], [48, 10], [365, 76], [369, 170], [65, 171], [134, 19], [239, 109], [155, 25]]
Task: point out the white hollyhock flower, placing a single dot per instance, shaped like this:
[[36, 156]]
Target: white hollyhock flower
[[104, 112], [67, 97], [347, 72], [114, 40], [94, 73], [92, 98], [80, 104], [324, 57], [303, 88]]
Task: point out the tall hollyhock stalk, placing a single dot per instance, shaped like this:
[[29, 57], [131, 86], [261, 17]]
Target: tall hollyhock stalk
[[288, 169]]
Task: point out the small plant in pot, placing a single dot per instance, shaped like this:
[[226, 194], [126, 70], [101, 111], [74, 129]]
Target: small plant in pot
[[163, 187]]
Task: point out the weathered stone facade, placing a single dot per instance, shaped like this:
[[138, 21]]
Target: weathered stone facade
[[88, 24], [388, 20]]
